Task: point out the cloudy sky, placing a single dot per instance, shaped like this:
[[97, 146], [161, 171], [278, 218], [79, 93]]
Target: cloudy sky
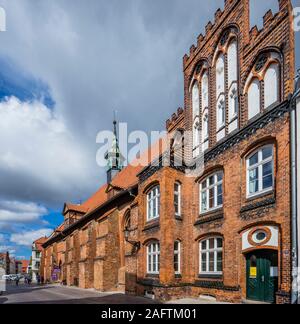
[[64, 67]]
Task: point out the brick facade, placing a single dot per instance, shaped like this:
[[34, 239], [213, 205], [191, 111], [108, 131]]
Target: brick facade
[[91, 250]]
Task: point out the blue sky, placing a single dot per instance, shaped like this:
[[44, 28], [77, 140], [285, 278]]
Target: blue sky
[[63, 70]]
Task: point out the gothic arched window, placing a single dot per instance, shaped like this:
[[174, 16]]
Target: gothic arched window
[[263, 83], [253, 98], [196, 122], [271, 82], [227, 90]]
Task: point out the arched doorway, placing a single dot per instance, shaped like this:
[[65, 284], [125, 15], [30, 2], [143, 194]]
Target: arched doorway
[[262, 275]]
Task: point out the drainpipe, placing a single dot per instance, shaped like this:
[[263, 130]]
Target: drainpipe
[[295, 242]]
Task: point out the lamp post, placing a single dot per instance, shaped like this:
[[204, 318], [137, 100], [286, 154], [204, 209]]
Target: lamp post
[[135, 244]]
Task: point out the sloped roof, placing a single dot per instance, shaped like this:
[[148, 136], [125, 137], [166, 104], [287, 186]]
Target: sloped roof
[[76, 208], [125, 179], [39, 242], [25, 263]]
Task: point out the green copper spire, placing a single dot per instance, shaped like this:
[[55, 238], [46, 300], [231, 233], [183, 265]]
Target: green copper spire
[[113, 156]]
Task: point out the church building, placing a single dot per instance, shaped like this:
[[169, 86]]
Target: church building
[[223, 230]]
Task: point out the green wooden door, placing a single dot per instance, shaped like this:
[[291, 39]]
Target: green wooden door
[[262, 276]]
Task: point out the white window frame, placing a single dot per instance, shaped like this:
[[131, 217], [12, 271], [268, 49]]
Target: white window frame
[[153, 197], [207, 251], [178, 195], [178, 254], [153, 253], [207, 189], [260, 165]]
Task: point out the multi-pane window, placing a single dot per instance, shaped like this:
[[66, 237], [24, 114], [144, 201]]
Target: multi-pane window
[[153, 258], [177, 257], [153, 203], [260, 171], [211, 256], [177, 198], [211, 192]]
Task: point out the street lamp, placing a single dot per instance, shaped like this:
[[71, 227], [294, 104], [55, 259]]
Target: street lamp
[[135, 244]]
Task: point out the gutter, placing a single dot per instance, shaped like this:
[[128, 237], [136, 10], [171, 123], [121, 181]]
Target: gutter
[[294, 205]]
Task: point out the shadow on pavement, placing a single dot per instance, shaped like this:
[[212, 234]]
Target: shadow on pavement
[[111, 300]]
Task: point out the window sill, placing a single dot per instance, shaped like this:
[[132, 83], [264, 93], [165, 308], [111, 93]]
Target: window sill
[[211, 276], [209, 218], [179, 217], [211, 212], [221, 128], [151, 225], [234, 118], [252, 205], [261, 195], [152, 276]]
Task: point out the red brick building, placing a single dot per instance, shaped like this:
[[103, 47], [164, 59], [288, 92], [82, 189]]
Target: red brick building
[[223, 230]]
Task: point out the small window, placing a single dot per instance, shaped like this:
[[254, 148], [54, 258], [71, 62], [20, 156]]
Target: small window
[[177, 198], [153, 204], [211, 193], [260, 171], [177, 257], [211, 256], [153, 258]]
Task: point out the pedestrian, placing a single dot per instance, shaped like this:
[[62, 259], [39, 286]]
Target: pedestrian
[[17, 281]]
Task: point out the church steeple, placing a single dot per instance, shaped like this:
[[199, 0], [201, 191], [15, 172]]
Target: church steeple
[[113, 156]]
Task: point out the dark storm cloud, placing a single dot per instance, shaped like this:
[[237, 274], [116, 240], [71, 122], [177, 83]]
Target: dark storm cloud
[[96, 56]]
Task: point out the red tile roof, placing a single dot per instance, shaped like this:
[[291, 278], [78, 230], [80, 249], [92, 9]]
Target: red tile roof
[[125, 179], [128, 177], [78, 208], [39, 242], [25, 264]]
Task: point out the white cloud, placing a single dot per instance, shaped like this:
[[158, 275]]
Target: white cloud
[[7, 248], [19, 212], [39, 158], [27, 238], [2, 238]]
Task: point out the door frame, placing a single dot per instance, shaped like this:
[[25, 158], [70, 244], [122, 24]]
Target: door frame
[[269, 253]]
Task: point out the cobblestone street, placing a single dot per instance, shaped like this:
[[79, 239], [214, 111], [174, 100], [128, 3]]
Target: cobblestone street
[[54, 294]]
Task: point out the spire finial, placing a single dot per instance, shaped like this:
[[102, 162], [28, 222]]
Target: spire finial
[[115, 123]]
